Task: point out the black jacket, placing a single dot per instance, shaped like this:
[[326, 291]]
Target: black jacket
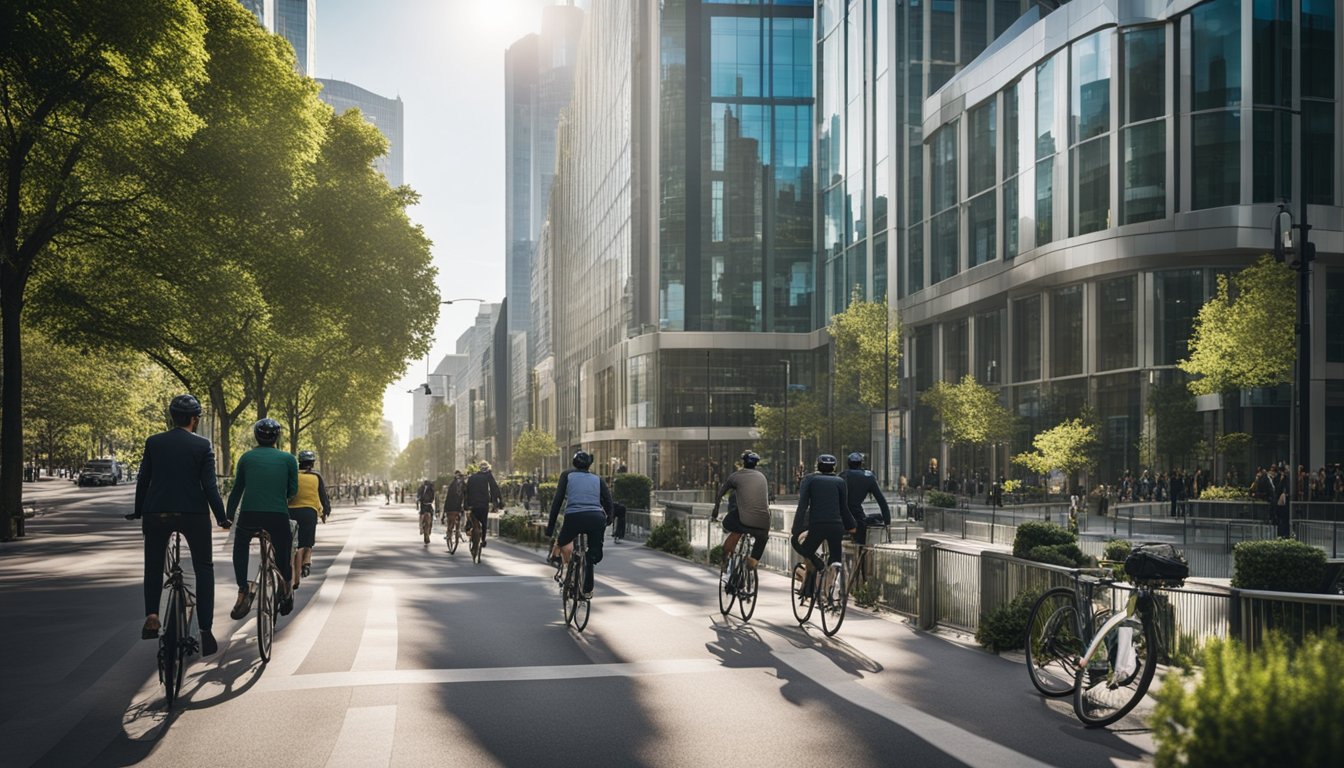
[[822, 499], [482, 490], [859, 484], [454, 495], [177, 474]]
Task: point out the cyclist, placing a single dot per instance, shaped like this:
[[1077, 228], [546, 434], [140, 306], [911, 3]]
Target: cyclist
[[482, 491], [587, 503], [424, 496], [263, 483], [174, 491], [823, 514], [454, 494], [859, 484], [303, 509], [748, 508]]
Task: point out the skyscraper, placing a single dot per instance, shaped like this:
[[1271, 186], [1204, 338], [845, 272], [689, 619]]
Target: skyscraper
[[296, 21], [264, 10], [385, 113]]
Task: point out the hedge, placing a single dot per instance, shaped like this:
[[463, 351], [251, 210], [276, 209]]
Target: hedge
[[1045, 542], [1283, 565], [670, 537], [1006, 628], [632, 490]]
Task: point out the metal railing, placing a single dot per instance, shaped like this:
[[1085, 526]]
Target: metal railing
[[1293, 614], [1325, 535]]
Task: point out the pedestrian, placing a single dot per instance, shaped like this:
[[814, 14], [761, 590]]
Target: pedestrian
[[529, 493], [176, 491]]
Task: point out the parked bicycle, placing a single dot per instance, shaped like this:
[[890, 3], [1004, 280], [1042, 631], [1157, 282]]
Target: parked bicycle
[[827, 591], [573, 601], [737, 581]]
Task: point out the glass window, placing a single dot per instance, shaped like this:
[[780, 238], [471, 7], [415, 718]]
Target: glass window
[[923, 357], [1115, 323], [1320, 148], [916, 256], [1179, 295], [981, 147], [1066, 331], [1216, 54], [1090, 107], [989, 347], [943, 31], [1091, 198], [944, 180], [1334, 317], [944, 245], [1145, 172], [1045, 201], [880, 267], [1045, 109], [1272, 44], [1027, 339], [916, 181], [1010, 209], [1272, 155], [983, 229], [1010, 128], [1216, 159], [1318, 49], [735, 56], [1145, 74], [955, 339], [974, 28], [1005, 13]]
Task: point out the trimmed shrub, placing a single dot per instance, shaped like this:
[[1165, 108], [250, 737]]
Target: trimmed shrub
[[1055, 554], [1284, 565], [631, 490], [1006, 628], [1224, 493], [1277, 705], [1037, 533], [1117, 550], [670, 537], [716, 555], [940, 499], [545, 492]]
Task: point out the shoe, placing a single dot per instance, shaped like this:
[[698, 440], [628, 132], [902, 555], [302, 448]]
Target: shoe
[[307, 568], [244, 603], [588, 594], [286, 604], [209, 646], [482, 543], [151, 629]]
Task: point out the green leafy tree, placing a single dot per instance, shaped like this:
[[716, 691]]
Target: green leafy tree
[[1243, 336], [1179, 427], [867, 341], [409, 466], [92, 98], [1068, 447], [531, 448], [970, 413]]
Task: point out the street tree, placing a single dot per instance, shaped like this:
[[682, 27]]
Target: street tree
[[1178, 426], [1068, 447], [409, 466], [867, 341], [92, 98], [1243, 336], [532, 448], [969, 412]]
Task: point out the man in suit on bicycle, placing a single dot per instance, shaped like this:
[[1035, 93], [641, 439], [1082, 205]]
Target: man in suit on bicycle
[[176, 491]]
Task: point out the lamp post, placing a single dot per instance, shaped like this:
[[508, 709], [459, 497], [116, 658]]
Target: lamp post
[[886, 397], [788, 468], [1305, 250]]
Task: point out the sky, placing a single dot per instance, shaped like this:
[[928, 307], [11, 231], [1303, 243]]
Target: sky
[[445, 59]]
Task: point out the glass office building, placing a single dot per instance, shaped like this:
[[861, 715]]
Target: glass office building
[[387, 115], [296, 21], [1076, 190]]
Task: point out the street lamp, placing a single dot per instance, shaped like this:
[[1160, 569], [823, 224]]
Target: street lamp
[[788, 468], [1305, 251], [454, 301]]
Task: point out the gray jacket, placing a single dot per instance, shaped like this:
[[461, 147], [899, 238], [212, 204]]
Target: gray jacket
[[752, 497]]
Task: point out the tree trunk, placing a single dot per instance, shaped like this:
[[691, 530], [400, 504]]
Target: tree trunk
[[11, 401]]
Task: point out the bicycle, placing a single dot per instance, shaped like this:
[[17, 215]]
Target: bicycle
[[573, 602], [737, 581], [176, 642], [829, 589], [453, 533], [266, 589], [477, 535], [426, 522], [1058, 626]]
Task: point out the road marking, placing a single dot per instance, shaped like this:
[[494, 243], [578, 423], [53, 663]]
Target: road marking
[[378, 645], [366, 738], [450, 580], [300, 636], [489, 674]]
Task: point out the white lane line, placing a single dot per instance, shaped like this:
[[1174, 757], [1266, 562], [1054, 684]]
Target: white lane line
[[490, 674], [456, 580], [366, 738], [300, 636], [378, 645]]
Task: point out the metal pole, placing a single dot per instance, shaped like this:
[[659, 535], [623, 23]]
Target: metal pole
[[788, 468], [886, 398], [709, 407], [1306, 254]]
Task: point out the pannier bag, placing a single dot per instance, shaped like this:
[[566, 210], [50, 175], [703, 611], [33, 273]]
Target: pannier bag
[[1156, 562]]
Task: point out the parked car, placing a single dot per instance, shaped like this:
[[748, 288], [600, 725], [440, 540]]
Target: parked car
[[102, 472]]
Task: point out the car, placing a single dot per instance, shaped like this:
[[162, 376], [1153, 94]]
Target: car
[[101, 472]]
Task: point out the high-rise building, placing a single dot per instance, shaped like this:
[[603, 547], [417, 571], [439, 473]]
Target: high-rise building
[[386, 114], [264, 10], [296, 21]]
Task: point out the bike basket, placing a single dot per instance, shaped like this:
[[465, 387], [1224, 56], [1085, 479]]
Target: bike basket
[[1156, 562]]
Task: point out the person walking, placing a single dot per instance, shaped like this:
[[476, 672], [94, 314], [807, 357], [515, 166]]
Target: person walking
[[175, 490]]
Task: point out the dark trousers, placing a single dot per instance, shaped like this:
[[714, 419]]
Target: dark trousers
[[196, 530], [592, 523], [831, 533], [732, 523], [277, 525]]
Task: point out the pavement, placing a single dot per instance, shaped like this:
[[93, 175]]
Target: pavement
[[399, 654]]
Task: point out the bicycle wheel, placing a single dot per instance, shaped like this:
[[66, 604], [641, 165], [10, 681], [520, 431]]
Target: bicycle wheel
[[569, 592], [1113, 680], [476, 543], [453, 536], [582, 604], [425, 526], [729, 571], [803, 599], [266, 607], [172, 648], [1054, 642], [836, 600], [746, 594]]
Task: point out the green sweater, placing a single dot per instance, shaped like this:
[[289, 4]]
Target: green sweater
[[264, 481]]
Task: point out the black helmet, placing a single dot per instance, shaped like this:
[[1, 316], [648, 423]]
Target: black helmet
[[826, 463], [185, 404], [856, 460], [267, 431], [750, 459], [582, 459], [307, 457]]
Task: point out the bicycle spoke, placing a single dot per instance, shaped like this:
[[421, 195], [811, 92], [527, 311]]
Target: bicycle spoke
[[1113, 680]]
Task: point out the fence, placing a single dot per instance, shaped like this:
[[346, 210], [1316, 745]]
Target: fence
[[1327, 535]]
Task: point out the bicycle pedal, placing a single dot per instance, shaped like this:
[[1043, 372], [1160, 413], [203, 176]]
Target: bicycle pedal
[[192, 645]]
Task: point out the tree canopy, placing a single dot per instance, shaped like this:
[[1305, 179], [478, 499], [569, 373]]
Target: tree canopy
[[1243, 336], [531, 448], [867, 339], [970, 413], [1067, 447]]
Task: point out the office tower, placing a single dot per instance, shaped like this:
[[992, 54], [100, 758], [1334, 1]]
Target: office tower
[[385, 113]]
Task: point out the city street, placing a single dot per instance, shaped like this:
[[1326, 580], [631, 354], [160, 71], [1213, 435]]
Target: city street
[[400, 654]]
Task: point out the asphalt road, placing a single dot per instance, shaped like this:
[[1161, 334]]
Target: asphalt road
[[402, 655]]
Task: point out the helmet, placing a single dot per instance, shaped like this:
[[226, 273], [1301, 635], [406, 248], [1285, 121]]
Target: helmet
[[307, 457], [856, 460], [750, 459], [267, 431], [185, 404], [457, 473], [826, 463], [582, 460], [484, 466]]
